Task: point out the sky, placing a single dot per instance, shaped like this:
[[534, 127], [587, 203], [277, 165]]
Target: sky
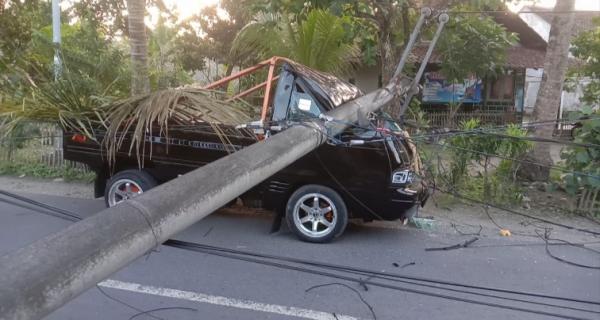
[[184, 8], [593, 5], [187, 8]]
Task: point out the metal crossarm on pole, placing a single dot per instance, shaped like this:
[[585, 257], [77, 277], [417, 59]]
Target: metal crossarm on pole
[[425, 13]]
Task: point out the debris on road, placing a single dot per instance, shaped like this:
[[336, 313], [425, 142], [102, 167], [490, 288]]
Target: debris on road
[[423, 223], [395, 264], [456, 246]]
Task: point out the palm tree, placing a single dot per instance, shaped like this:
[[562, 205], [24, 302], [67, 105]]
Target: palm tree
[[140, 82], [319, 41]]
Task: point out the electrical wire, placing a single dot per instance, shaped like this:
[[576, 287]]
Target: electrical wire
[[385, 285], [374, 273], [349, 288], [140, 311], [69, 215], [527, 125], [384, 276], [549, 166], [148, 312], [524, 11], [73, 217], [542, 139], [345, 189], [458, 195], [545, 238]]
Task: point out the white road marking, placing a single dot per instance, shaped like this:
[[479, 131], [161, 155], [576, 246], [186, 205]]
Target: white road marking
[[223, 301]]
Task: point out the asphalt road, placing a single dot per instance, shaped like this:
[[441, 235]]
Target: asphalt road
[[213, 287]]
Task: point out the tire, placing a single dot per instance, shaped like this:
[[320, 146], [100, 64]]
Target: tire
[[304, 215], [127, 184]]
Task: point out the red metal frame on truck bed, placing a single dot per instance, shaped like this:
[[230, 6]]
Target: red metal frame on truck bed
[[268, 84]]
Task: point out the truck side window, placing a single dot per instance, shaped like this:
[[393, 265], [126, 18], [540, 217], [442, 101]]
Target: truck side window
[[283, 93], [302, 105]]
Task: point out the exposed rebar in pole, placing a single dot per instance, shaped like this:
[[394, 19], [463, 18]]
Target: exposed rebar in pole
[[38, 279], [56, 38]]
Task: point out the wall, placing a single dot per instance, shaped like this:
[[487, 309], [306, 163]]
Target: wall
[[569, 100]]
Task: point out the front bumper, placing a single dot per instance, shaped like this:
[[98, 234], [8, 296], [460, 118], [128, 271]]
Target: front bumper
[[403, 200]]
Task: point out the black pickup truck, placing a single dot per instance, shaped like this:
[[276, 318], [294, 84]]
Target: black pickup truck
[[370, 172]]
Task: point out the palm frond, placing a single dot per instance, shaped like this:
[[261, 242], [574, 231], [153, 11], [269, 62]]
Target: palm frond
[[136, 118], [72, 104], [259, 38], [319, 41]]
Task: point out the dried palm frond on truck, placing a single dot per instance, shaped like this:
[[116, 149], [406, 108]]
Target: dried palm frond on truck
[[148, 115]]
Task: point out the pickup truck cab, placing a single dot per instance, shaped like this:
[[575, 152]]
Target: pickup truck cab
[[370, 172]]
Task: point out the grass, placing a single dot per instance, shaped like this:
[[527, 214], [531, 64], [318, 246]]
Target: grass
[[37, 170]]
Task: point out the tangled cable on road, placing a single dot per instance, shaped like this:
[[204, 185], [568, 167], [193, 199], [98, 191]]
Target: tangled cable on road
[[352, 274]]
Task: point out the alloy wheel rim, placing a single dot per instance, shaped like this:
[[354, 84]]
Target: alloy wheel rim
[[315, 215], [122, 190]]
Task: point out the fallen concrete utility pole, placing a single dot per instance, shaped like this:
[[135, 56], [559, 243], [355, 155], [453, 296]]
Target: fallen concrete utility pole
[[39, 278]]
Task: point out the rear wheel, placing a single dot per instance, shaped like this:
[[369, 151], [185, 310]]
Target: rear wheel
[[127, 184], [316, 214]]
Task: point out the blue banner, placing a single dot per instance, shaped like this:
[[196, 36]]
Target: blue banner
[[437, 89]]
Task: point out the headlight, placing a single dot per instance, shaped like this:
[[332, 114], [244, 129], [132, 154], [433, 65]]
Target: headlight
[[402, 177]]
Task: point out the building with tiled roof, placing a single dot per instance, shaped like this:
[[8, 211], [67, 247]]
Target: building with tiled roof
[[497, 99]]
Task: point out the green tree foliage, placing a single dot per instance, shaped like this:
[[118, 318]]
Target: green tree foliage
[[473, 44], [319, 41], [480, 164], [586, 47], [167, 57], [220, 24], [583, 158], [362, 31], [109, 15], [385, 26], [94, 72], [17, 24]]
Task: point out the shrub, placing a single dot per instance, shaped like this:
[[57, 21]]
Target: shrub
[[472, 169], [584, 159]]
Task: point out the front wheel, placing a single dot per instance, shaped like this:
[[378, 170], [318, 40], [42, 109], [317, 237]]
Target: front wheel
[[316, 213], [126, 185]]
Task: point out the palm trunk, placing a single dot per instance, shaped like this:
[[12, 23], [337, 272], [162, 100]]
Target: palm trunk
[[140, 81], [548, 100]]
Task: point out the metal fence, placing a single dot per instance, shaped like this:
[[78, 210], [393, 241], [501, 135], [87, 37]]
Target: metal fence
[[452, 121], [589, 201], [40, 144]]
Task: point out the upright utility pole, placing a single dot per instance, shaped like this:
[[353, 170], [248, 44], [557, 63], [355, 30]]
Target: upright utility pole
[[56, 38]]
